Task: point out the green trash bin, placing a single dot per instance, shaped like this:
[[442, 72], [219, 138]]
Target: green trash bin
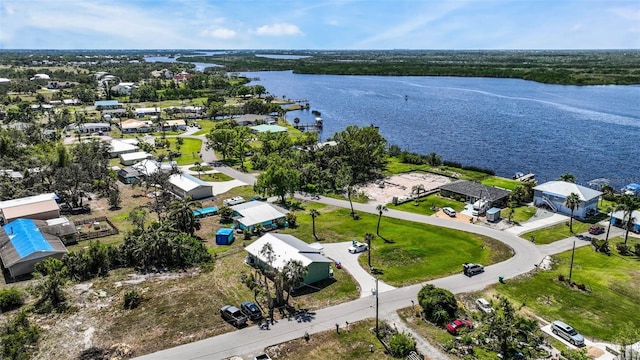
[[501, 279]]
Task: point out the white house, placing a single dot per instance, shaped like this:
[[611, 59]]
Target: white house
[[188, 185], [553, 194], [249, 214], [119, 147], [124, 88], [134, 157], [288, 247]]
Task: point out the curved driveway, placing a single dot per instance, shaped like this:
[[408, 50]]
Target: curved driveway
[[250, 341]]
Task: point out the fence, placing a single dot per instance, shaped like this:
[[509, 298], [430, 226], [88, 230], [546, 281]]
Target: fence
[[96, 230]]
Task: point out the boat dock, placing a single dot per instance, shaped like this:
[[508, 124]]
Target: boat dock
[[525, 177]]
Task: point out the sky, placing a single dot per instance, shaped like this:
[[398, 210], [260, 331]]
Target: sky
[[320, 24]]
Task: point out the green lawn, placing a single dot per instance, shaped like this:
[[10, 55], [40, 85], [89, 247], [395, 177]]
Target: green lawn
[[556, 232], [521, 214], [206, 125], [608, 309], [425, 204], [414, 252], [501, 182], [190, 150], [215, 177]]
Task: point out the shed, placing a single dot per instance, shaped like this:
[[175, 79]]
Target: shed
[[224, 236], [24, 245], [493, 214]]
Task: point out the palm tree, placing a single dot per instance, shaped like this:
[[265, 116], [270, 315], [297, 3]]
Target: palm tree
[[381, 208], [296, 121], [568, 177], [314, 213], [182, 215], [627, 204], [417, 189], [572, 201], [198, 167], [368, 237], [294, 272]]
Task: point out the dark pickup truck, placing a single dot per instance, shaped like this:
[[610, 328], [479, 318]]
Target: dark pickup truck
[[233, 315]]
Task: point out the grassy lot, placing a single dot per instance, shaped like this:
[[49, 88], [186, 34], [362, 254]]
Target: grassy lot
[[414, 252], [206, 125], [215, 177], [425, 204], [352, 344], [556, 232], [607, 309], [521, 214], [190, 150]]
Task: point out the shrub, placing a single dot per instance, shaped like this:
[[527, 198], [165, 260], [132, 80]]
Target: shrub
[[401, 344], [10, 299], [439, 305], [623, 249], [291, 220], [561, 278], [132, 299]]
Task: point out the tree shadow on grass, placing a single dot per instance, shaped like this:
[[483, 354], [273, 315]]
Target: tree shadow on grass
[[387, 241], [313, 288]]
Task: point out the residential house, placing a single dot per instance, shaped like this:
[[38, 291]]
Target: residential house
[[124, 88], [631, 189], [108, 105], [174, 125], [618, 218], [553, 195], [249, 214], [43, 207], [472, 191], [23, 244], [89, 127], [123, 146], [182, 77], [250, 119], [164, 73], [131, 126], [134, 157], [288, 247], [149, 167], [268, 128], [185, 185], [129, 175], [152, 111]]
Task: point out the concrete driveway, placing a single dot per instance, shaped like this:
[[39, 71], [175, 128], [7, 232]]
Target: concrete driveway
[[366, 281]]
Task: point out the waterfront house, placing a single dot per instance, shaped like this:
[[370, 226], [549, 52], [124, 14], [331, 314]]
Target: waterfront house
[[267, 128], [553, 195], [288, 247], [472, 191], [618, 218]]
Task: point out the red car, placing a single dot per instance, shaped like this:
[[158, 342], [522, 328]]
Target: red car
[[453, 326]]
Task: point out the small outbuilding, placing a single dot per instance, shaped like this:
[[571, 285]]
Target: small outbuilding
[[224, 236], [493, 215]]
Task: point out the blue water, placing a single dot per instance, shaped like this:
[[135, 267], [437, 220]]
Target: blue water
[[508, 125]]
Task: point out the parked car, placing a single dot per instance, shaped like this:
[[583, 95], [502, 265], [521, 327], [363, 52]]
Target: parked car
[[456, 324], [484, 306], [596, 230], [233, 315], [470, 269], [567, 332], [358, 247], [251, 310], [233, 201], [449, 211]]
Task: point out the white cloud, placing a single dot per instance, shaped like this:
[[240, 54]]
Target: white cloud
[[282, 29], [576, 27], [219, 33]]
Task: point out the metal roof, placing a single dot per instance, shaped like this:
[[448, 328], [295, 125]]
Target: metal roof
[[257, 212], [564, 189], [187, 182], [286, 247]]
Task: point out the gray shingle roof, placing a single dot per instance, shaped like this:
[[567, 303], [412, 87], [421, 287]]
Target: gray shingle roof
[[476, 190]]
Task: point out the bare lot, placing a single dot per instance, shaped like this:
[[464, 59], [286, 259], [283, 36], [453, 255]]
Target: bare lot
[[402, 185]]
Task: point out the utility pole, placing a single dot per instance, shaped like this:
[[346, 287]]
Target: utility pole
[[571, 267], [377, 327]]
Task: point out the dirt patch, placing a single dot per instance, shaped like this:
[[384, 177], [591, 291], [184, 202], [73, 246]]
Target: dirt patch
[[594, 352], [382, 192]]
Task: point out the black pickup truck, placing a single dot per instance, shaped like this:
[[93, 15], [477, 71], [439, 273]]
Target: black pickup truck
[[233, 315]]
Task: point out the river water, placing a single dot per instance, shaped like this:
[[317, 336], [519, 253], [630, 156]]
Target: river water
[[508, 125]]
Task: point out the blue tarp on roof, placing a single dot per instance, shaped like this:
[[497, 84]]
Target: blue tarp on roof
[[205, 211], [635, 187], [26, 238]]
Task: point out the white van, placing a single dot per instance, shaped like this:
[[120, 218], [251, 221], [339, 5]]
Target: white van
[[233, 201], [449, 211]]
